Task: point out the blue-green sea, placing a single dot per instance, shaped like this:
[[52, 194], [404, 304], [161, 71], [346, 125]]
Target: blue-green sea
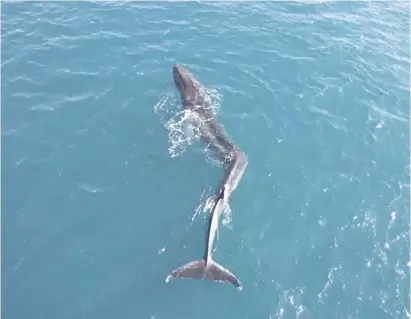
[[104, 191]]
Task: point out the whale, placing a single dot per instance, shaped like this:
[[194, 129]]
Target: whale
[[234, 160]]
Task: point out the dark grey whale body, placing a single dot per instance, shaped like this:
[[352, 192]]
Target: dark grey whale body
[[235, 162]]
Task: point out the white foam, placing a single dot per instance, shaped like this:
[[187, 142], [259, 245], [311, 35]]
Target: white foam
[[183, 129], [182, 125]]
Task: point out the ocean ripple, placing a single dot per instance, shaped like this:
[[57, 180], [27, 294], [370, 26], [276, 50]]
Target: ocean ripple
[[317, 95]]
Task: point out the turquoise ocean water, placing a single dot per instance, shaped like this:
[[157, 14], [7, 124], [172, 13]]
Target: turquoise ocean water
[[103, 195]]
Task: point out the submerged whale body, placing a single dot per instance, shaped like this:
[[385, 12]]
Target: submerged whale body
[[235, 162]]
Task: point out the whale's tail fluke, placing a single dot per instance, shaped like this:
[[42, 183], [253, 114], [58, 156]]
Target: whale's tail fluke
[[199, 269]]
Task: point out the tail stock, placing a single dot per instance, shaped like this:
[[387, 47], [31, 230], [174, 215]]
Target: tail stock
[[199, 269]]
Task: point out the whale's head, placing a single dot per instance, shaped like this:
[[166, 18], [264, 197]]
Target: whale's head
[[186, 84]]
